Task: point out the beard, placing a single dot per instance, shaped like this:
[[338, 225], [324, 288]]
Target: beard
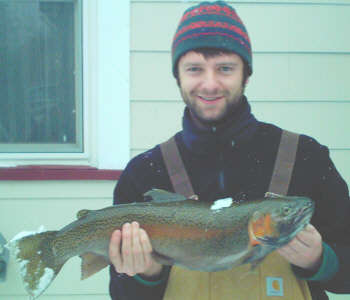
[[203, 116]]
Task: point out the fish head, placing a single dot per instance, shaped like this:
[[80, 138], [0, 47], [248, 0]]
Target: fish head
[[277, 221]]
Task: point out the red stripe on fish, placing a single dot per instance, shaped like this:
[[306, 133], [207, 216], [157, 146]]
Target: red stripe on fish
[[175, 231]]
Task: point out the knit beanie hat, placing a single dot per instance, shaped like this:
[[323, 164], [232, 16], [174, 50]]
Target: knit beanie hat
[[211, 25]]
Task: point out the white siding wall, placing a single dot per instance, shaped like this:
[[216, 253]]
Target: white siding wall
[[300, 82]]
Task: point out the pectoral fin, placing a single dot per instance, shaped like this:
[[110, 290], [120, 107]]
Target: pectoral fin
[[256, 255], [162, 259], [91, 264]]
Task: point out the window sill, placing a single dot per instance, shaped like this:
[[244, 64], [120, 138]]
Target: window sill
[[58, 172]]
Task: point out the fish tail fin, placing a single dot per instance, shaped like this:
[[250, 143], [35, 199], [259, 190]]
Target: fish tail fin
[[37, 261]]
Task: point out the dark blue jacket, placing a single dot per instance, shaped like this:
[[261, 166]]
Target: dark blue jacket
[[235, 159]]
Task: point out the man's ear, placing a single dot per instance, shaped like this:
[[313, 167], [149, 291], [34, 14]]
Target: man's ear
[[178, 82]]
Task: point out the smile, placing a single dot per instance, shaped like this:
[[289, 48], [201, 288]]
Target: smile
[[210, 99]]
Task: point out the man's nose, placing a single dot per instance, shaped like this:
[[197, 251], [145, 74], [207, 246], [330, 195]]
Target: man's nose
[[210, 82]]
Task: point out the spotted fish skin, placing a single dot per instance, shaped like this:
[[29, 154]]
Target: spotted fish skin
[[205, 236]]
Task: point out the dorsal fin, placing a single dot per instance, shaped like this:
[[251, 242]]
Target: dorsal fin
[[82, 213], [158, 195], [273, 195]]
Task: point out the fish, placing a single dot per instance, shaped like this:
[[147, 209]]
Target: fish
[[197, 235]]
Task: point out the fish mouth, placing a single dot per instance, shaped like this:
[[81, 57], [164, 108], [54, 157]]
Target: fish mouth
[[303, 216], [289, 229], [298, 222]]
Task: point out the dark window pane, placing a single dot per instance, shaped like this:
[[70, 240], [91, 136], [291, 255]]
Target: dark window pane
[[40, 78]]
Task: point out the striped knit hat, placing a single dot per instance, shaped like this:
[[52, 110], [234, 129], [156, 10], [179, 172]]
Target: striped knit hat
[[211, 25]]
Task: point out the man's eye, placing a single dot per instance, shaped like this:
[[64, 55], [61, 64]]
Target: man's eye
[[193, 69], [226, 69]]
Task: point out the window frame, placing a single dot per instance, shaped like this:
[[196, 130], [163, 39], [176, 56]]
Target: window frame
[[106, 96]]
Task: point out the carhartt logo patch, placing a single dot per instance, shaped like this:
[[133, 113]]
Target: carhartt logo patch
[[274, 286]]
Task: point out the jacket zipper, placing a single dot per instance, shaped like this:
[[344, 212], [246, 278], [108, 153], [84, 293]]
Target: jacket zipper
[[221, 173], [221, 178]]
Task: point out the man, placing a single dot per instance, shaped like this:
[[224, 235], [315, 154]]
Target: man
[[228, 153]]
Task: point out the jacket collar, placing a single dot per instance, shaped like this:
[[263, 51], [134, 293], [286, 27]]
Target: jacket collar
[[237, 128]]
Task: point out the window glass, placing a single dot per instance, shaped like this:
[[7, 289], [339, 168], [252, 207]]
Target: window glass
[[41, 76]]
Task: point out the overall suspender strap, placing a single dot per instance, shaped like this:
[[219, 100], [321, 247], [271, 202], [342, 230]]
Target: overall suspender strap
[[176, 168], [281, 175], [284, 164]]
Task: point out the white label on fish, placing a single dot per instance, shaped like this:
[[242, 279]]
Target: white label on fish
[[221, 203]]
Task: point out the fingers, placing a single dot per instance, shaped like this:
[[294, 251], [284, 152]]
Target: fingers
[[147, 247], [128, 259], [309, 236], [304, 250], [114, 250], [137, 252], [130, 250], [306, 238]]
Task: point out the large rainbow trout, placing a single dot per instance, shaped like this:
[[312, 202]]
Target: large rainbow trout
[[196, 235]]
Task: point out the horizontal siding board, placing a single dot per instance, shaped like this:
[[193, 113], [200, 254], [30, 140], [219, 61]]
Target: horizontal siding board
[[300, 77], [163, 120], [151, 77], [63, 190], [276, 77], [298, 28], [326, 121], [282, 28]]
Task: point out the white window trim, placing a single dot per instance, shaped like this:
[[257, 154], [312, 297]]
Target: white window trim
[[106, 96]]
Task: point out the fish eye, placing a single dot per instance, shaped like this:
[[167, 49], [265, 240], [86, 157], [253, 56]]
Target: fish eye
[[286, 210]]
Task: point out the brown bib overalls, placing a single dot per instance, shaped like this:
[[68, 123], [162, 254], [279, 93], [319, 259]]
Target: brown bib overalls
[[272, 279]]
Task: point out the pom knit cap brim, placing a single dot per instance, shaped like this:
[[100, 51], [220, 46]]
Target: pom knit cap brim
[[211, 25]]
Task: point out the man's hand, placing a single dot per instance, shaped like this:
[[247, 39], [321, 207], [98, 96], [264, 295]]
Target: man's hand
[[305, 250], [130, 251]]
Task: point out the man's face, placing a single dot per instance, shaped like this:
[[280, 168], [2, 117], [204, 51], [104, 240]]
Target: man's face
[[212, 87]]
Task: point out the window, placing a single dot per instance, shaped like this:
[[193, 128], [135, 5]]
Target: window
[[64, 84], [41, 84]]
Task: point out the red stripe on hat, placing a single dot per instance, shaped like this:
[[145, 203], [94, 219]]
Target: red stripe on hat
[[212, 24], [211, 33], [211, 10]]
